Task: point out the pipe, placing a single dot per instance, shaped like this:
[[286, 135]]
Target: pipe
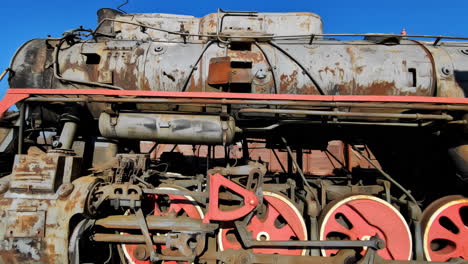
[[59, 77], [21, 128], [299, 170], [187, 80], [4, 73], [275, 82], [348, 114], [387, 176], [317, 86], [251, 102]]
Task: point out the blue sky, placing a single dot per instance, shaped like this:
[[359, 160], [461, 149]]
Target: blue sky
[[22, 20]]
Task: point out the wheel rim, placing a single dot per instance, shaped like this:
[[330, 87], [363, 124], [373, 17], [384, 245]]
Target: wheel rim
[[445, 224], [178, 205], [282, 221], [360, 217]]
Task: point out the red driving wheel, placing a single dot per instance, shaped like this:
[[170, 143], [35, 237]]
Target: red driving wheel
[[445, 224], [360, 217], [175, 205], [281, 221]]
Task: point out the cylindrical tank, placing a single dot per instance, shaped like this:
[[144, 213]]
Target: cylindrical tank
[[168, 128]]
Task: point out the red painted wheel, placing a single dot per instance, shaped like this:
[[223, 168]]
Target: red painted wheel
[[172, 205], [445, 224], [359, 217], [281, 221]]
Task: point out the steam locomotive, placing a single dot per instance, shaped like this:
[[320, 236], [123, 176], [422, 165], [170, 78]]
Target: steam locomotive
[[238, 137]]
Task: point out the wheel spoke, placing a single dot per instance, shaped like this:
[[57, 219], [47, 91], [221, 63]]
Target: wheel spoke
[[335, 226], [440, 232], [272, 215], [455, 217]]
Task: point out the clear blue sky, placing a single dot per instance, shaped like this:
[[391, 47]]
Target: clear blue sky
[[22, 20]]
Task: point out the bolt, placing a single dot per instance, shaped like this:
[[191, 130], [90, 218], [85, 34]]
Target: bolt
[[252, 202], [446, 70], [65, 189], [380, 244], [158, 49], [141, 253], [56, 144]]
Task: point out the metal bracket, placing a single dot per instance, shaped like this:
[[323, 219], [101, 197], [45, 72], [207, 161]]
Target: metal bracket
[[214, 213], [436, 41], [312, 37]]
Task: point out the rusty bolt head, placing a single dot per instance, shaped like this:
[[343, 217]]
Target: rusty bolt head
[[65, 189], [141, 253], [4, 187]]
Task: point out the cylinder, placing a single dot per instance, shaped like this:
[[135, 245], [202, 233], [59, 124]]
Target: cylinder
[[168, 128], [67, 135]]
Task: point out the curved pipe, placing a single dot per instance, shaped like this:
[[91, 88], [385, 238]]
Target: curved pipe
[[317, 86], [187, 80], [275, 83]]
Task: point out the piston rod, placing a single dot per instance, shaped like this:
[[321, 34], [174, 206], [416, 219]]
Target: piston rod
[[155, 222]]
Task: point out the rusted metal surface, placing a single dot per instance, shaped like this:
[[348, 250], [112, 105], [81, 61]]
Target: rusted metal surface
[[139, 58], [36, 173], [219, 71], [35, 230], [347, 71], [40, 172]]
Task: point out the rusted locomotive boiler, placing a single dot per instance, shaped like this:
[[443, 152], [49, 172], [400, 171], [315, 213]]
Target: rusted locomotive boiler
[[238, 137]]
